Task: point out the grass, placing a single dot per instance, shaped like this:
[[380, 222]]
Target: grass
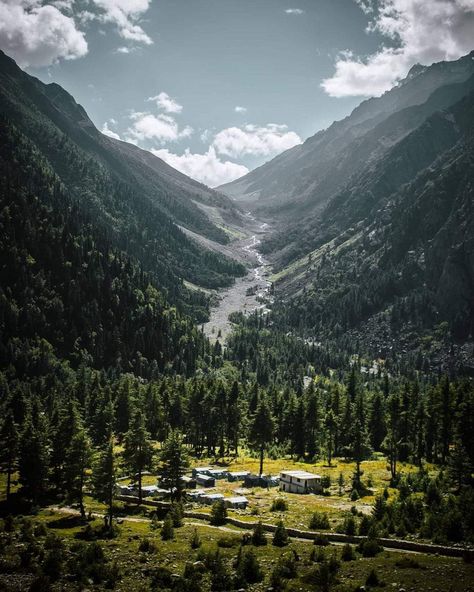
[[395, 570]]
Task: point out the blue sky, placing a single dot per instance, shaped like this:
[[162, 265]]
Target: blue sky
[[217, 87]]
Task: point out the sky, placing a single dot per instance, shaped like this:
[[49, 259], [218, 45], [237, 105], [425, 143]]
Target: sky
[[218, 87]]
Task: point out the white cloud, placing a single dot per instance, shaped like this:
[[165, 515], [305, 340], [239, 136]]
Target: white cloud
[[166, 103], [38, 35], [108, 132], [164, 128], [125, 15], [255, 140], [296, 11], [207, 168], [239, 109], [421, 31]]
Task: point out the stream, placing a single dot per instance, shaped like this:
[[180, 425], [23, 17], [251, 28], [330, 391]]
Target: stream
[[248, 293]]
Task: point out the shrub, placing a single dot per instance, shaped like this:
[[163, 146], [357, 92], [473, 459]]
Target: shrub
[[280, 538], [321, 540], [287, 566], [258, 536], [319, 521], [354, 495], [177, 514], [218, 513], [195, 541], [407, 563], [347, 553], [369, 548], [147, 546], [372, 579], [349, 526], [248, 568], [227, 542], [167, 531], [364, 526], [279, 505]]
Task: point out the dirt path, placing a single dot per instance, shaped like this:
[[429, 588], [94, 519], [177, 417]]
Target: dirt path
[[249, 293]]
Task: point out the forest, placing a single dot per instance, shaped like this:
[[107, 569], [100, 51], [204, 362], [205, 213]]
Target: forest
[[107, 380]]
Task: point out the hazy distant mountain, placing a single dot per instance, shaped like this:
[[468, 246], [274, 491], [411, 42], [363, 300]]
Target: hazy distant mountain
[[303, 179]]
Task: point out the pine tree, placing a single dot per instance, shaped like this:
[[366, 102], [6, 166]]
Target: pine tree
[[9, 445], [173, 464], [377, 427], [167, 530], [261, 430], [137, 450], [33, 460], [78, 459], [104, 478], [280, 537]]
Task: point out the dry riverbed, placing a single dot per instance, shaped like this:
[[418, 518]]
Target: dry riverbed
[[248, 293]]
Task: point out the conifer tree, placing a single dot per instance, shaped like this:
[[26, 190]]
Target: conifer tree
[[137, 450], [173, 464], [261, 430], [78, 460], [9, 445], [104, 479], [33, 460]]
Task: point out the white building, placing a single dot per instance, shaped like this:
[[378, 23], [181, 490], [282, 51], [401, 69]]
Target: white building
[[300, 482]]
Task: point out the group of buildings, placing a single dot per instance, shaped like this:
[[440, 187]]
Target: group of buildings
[[203, 478]]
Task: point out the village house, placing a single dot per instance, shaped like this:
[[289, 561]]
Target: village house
[[237, 502], [300, 482]]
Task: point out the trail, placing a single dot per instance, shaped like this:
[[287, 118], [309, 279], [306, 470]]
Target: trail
[[247, 294]]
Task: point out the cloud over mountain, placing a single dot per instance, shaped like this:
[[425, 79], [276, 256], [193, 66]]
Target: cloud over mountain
[[417, 31]]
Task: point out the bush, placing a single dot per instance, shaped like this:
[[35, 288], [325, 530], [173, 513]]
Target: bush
[[248, 568], [195, 541], [227, 542], [319, 521], [349, 526], [280, 538], [354, 495], [321, 540], [167, 531], [218, 513], [258, 536], [372, 579], [407, 563], [369, 548], [279, 505], [286, 566], [347, 553], [147, 546], [177, 514]]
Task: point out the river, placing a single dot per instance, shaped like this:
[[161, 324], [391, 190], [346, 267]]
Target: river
[[248, 293]]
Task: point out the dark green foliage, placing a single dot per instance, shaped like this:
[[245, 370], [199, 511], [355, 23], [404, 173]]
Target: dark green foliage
[[218, 513], [369, 548], [258, 535], [104, 479], [173, 463], [280, 536], [167, 531], [248, 567], [279, 504], [319, 521], [372, 579], [195, 541], [347, 553]]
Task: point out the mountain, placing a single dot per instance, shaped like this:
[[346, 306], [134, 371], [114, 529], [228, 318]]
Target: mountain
[[380, 257], [303, 179], [139, 201]]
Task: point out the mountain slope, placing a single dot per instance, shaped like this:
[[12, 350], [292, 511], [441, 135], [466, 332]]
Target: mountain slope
[[304, 178], [392, 255], [136, 197]]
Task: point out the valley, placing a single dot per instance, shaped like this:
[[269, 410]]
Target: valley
[[249, 293]]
